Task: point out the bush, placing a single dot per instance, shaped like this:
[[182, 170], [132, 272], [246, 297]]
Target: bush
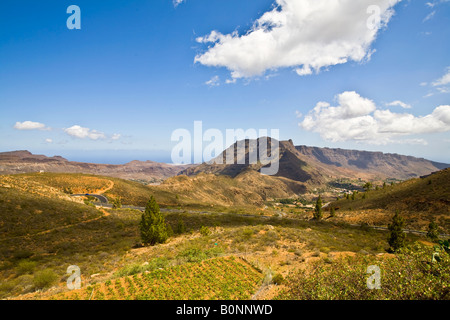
[[26, 266], [181, 228], [278, 279], [196, 254], [410, 275], [433, 231], [204, 231], [44, 279]]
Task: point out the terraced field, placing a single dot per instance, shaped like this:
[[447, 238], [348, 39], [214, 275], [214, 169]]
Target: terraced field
[[220, 278]]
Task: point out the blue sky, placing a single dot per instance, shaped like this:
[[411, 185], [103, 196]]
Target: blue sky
[[116, 89]]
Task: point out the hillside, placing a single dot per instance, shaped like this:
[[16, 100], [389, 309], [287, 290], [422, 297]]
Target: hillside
[[26, 162], [44, 232], [204, 190], [248, 188], [420, 200]]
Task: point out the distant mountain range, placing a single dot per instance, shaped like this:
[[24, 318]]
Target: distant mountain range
[[304, 164], [26, 162], [313, 164]]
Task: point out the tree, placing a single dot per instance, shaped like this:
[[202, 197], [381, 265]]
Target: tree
[[153, 226], [332, 212], [180, 227], [368, 186], [117, 204], [433, 231], [318, 210], [397, 236]]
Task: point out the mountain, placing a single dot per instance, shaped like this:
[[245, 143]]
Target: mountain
[[383, 165], [317, 165], [26, 162]]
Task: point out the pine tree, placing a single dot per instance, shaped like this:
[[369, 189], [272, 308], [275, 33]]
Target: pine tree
[[433, 231], [180, 227], [153, 226], [332, 212], [397, 236], [318, 210]]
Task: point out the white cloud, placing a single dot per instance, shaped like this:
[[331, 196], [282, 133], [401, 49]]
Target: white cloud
[[82, 133], [116, 136], [213, 82], [436, 2], [398, 103], [358, 119], [444, 80], [48, 141], [230, 81], [429, 16], [177, 2], [307, 35], [30, 125], [441, 85]]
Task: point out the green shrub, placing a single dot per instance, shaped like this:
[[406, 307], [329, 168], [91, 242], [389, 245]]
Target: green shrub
[[204, 231], [44, 279], [278, 279], [433, 231], [409, 275], [181, 228], [25, 266]]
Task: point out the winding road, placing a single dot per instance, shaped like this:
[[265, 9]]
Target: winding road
[[103, 199]]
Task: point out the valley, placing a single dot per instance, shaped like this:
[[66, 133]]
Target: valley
[[261, 231]]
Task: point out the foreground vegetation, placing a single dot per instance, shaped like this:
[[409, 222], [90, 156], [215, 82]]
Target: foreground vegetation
[[412, 274], [44, 231], [221, 278]]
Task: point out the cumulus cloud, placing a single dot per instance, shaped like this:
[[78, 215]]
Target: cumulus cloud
[[398, 103], [77, 131], [358, 119], [48, 140], [30, 125], [307, 35]]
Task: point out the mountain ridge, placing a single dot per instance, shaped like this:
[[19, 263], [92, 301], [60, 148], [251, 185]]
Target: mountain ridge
[[303, 163], [23, 161]]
